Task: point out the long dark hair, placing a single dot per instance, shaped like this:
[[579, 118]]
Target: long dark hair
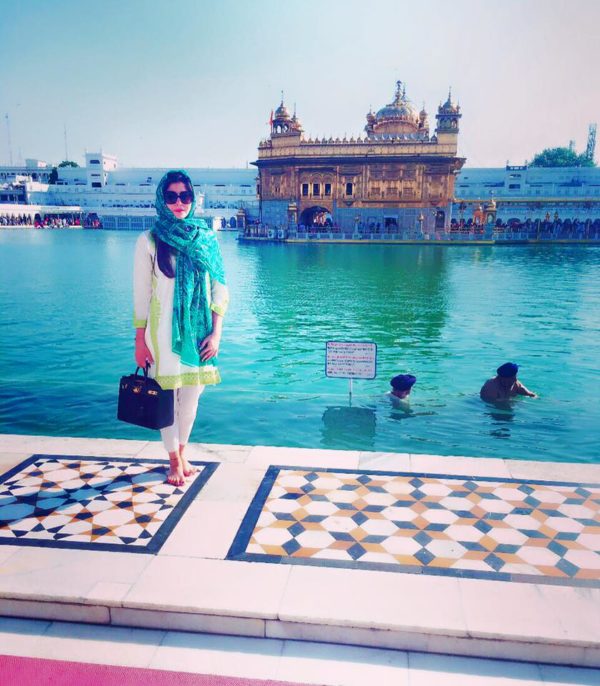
[[164, 252]]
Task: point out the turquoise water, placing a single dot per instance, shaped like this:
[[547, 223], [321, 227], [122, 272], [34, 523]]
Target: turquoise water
[[450, 315]]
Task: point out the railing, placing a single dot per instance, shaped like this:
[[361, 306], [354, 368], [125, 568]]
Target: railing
[[537, 231]]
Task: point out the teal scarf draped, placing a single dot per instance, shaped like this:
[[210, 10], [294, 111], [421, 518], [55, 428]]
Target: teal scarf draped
[[198, 253]]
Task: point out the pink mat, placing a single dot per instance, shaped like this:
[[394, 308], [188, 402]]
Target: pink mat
[[29, 671]]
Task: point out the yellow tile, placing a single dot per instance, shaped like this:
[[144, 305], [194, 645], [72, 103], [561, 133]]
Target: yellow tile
[[407, 560], [273, 550], [540, 516], [306, 552], [488, 543], [548, 570], [479, 512], [587, 574], [280, 524], [537, 542], [358, 534], [313, 526], [437, 535], [510, 558]]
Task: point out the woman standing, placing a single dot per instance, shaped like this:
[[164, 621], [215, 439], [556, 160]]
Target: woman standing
[[180, 298]]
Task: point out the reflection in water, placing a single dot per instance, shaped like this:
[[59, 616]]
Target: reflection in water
[[356, 428], [401, 408], [501, 412], [351, 427], [324, 292]]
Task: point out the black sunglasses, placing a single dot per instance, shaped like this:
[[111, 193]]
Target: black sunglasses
[[171, 197]]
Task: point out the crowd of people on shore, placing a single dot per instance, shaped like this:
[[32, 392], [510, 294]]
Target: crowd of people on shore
[[38, 222], [15, 220], [588, 228], [534, 229], [92, 221]]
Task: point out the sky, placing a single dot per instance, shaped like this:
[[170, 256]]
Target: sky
[[192, 83]]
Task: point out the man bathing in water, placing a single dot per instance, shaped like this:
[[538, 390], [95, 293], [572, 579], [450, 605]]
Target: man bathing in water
[[401, 387], [504, 385]]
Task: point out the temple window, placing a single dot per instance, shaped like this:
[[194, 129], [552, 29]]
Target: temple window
[[349, 188], [316, 189], [304, 189], [327, 189]]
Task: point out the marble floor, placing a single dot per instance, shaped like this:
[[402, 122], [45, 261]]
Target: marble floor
[[404, 553], [508, 529], [93, 503]]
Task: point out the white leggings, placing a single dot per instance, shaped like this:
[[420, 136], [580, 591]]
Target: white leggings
[[186, 406]]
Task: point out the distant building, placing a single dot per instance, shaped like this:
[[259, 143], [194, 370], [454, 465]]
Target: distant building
[[396, 175], [123, 198], [32, 170], [13, 180], [522, 192]]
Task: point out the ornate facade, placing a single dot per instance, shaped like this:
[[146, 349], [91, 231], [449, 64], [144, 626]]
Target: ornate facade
[[397, 177]]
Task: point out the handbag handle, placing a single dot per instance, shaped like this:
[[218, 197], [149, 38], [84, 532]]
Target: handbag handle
[[144, 369]]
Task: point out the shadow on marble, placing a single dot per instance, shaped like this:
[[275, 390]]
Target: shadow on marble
[[318, 663], [99, 644], [445, 670], [252, 658]]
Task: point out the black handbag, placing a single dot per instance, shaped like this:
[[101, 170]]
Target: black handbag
[[144, 403]]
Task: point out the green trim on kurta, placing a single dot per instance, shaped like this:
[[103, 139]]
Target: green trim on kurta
[[219, 309], [139, 323], [154, 320], [204, 376]]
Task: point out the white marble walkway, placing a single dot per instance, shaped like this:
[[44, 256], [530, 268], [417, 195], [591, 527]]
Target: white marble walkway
[[190, 586], [284, 660]]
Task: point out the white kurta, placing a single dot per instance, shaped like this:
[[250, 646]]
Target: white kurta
[[153, 310]]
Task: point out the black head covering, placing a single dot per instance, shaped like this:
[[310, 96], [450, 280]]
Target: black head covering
[[508, 369], [403, 382]]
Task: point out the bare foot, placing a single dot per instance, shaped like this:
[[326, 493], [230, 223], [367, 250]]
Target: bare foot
[[175, 476], [188, 469]]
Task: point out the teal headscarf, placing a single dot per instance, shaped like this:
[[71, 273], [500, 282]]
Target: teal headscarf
[[198, 253]]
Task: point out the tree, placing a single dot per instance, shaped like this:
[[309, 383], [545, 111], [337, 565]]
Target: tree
[[561, 157], [54, 173]]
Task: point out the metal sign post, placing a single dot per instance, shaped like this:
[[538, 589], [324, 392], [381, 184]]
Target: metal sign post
[[350, 360]]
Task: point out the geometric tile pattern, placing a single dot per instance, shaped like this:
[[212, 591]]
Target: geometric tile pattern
[[540, 531], [95, 503]]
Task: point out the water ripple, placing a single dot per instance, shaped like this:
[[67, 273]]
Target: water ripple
[[449, 315]]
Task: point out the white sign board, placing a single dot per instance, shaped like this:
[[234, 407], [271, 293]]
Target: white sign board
[[348, 360]]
